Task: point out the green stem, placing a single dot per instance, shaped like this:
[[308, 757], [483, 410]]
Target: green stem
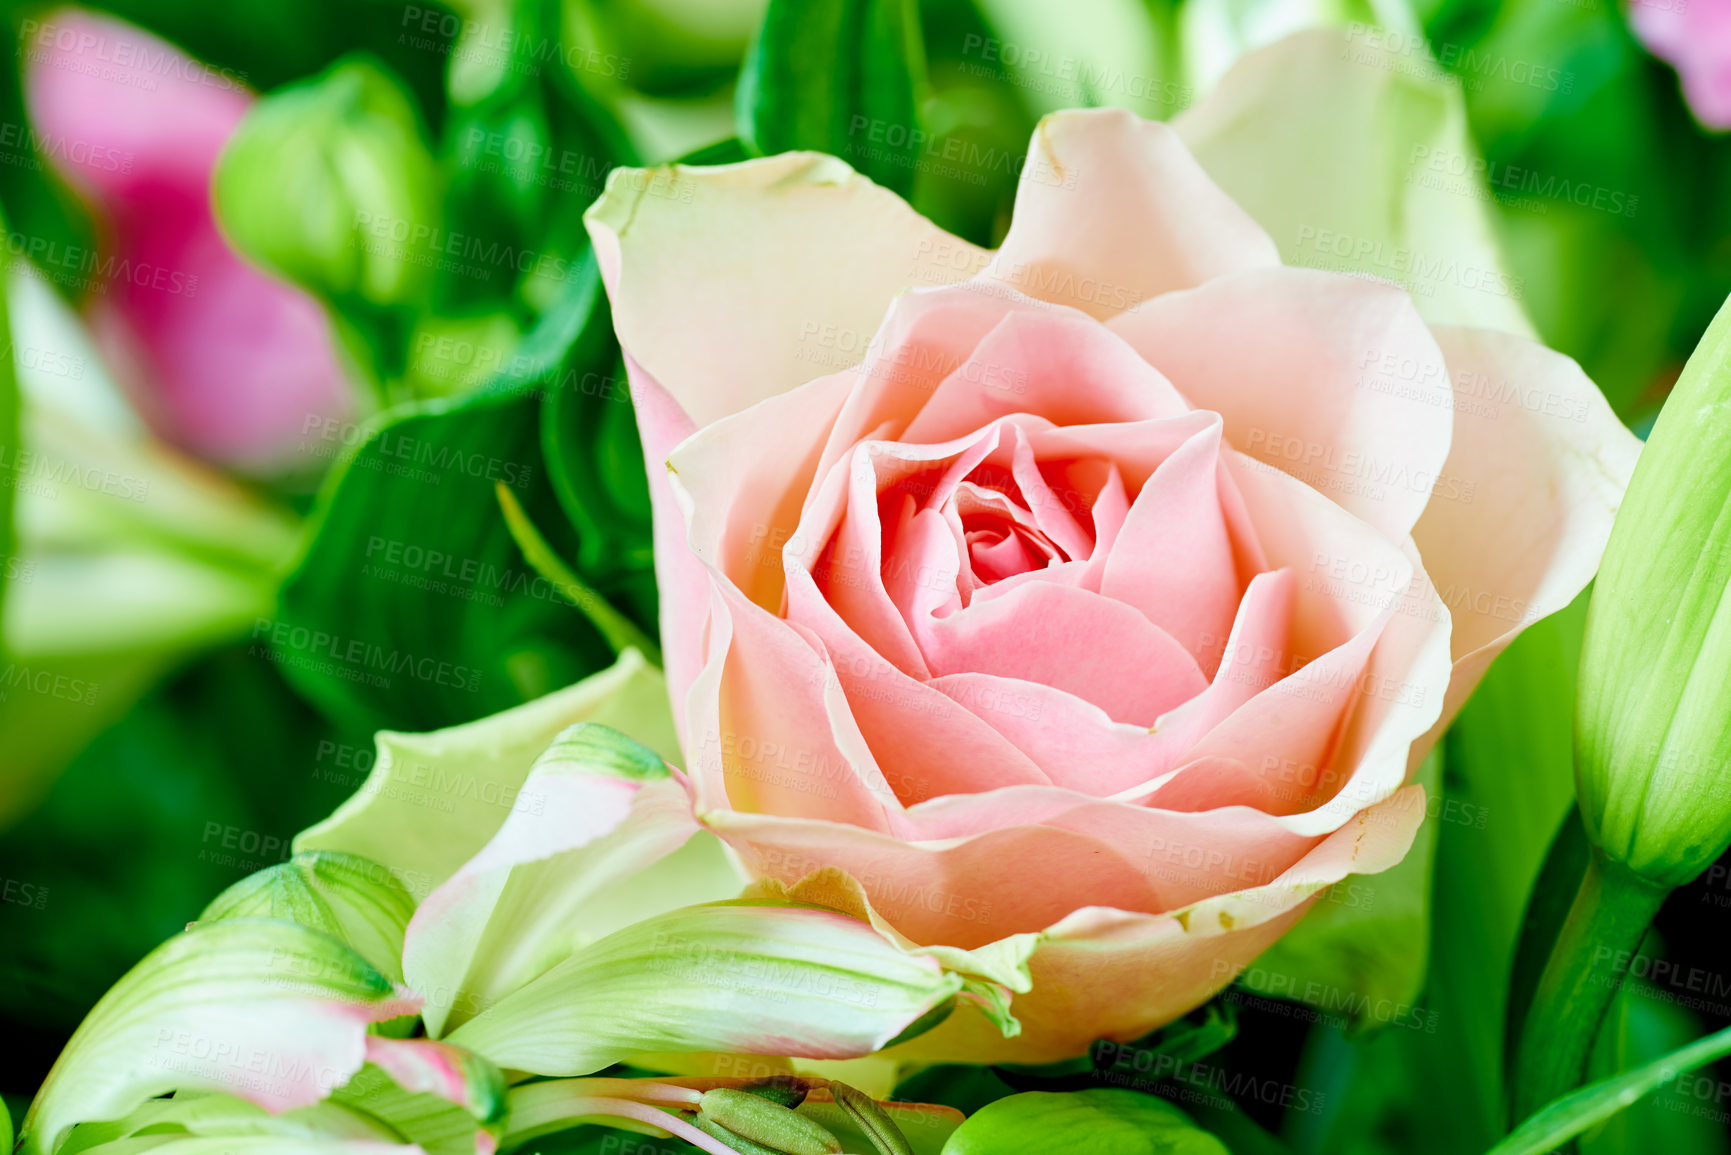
[[620, 631], [1604, 928]]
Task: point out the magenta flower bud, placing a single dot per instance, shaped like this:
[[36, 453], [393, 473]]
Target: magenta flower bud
[[220, 358]]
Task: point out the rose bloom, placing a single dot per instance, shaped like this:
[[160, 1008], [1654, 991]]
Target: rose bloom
[[1106, 588]]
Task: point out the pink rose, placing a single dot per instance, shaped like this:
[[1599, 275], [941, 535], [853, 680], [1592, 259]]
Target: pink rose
[[1694, 37], [1107, 590], [220, 357]]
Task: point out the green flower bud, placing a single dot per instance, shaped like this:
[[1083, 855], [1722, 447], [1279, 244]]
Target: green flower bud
[[770, 1125], [1653, 724], [329, 183]]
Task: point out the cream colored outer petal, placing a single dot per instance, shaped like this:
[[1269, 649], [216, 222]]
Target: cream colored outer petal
[[1112, 210], [1326, 138], [735, 283], [1102, 973], [1535, 476]]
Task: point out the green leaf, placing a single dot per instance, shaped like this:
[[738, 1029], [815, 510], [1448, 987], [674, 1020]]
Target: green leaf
[[146, 826], [1189, 1039], [1547, 908], [433, 800], [411, 607], [595, 460], [1314, 136], [290, 1144], [269, 1010], [755, 978], [1508, 759], [11, 565], [600, 836], [1677, 1119], [1107, 1122], [1576, 1112], [350, 898], [838, 76]]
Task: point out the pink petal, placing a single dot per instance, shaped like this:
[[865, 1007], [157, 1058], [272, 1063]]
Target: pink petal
[[928, 745], [680, 578], [1060, 365], [1176, 558], [769, 726], [223, 360], [698, 524], [966, 870], [1117, 974], [1097, 648], [1333, 379]]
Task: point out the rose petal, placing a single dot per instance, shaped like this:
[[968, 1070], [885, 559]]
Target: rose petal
[[770, 728], [1107, 973], [1095, 647], [1537, 471], [696, 525], [1176, 557], [1112, 210], [967, 869], [735, 283], [1294, 360], [1055, 363], [949, 751]]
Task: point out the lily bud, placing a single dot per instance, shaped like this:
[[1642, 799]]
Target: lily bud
[[329, 183], [768, 1125], [1653, 724]]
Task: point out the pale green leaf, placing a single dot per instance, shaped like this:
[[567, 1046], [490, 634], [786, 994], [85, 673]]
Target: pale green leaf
[[126, 555], [197, 1114], [434, 800], [267, 1010], [755, 978], [1086, 53], [592, 845], [347, 897], [1215, 33]]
